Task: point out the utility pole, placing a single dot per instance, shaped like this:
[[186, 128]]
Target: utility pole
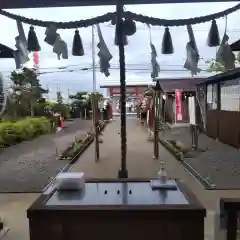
[[94, 100], [47, 92], [68, 100]]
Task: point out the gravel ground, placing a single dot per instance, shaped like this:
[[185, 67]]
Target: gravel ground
[[219, 164], [29, 166]]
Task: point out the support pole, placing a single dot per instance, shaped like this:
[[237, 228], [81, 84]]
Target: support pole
[[94, 100], [157, 118], [156, 143], [123, 173], [154, 124]]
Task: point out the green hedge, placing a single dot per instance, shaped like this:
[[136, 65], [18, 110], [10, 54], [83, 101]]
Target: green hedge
[[24, 129]]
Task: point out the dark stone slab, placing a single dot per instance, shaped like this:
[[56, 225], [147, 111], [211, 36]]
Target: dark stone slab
[[117, 209], [138, 193]]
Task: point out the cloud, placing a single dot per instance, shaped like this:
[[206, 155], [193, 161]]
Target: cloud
[[137, 52]]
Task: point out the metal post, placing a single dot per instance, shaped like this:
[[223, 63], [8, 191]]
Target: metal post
[[123, 173], [94, 100]]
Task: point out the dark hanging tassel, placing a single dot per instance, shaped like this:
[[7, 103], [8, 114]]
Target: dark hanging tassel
[[167, 45], [114, 20], [213, 35], [125, 41], [129, 27], [77, 48], [6, 52], [33, 44]]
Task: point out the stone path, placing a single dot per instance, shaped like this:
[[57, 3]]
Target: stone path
[[140, 164], [139, 154], [219, 164], [30, 165]]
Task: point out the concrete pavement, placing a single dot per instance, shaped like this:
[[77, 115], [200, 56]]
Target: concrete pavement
[[140, 164]]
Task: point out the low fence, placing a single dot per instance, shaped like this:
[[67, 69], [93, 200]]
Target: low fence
[[225, 126]]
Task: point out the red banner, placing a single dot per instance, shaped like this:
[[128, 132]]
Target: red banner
[[36, 62], [178, 105]]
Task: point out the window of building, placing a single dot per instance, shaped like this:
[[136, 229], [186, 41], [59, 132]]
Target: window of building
[[212, 96], [209, 96], [230, 95]]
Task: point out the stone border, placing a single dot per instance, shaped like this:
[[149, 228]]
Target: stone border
[[75, 158], [175, 152], [83, 143], [179, 155]]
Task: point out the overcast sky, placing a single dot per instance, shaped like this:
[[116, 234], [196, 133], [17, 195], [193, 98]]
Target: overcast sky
[[137, 51]]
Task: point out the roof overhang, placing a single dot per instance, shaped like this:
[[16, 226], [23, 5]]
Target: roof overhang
[[235, 46], [65, 3], [226, 76], [186, 84]]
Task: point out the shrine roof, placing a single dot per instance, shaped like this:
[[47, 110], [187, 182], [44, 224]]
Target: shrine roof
[[168, 84], [226, 76], [187, 84]]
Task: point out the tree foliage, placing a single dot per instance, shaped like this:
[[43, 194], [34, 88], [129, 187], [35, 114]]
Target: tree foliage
[[82, 102], [215, 66], [25, 93]]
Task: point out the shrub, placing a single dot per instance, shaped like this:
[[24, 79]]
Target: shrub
[[24, 129], [63, 109]]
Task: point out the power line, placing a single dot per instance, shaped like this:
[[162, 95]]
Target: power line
[[127, 69], [142, 68], [113, 66], [154, 28]]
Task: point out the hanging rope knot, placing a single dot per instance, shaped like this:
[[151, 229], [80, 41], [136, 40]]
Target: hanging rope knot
[[129, 27], [113, 21]]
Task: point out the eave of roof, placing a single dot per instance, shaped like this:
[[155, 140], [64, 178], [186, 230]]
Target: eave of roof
[[229, 75]]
